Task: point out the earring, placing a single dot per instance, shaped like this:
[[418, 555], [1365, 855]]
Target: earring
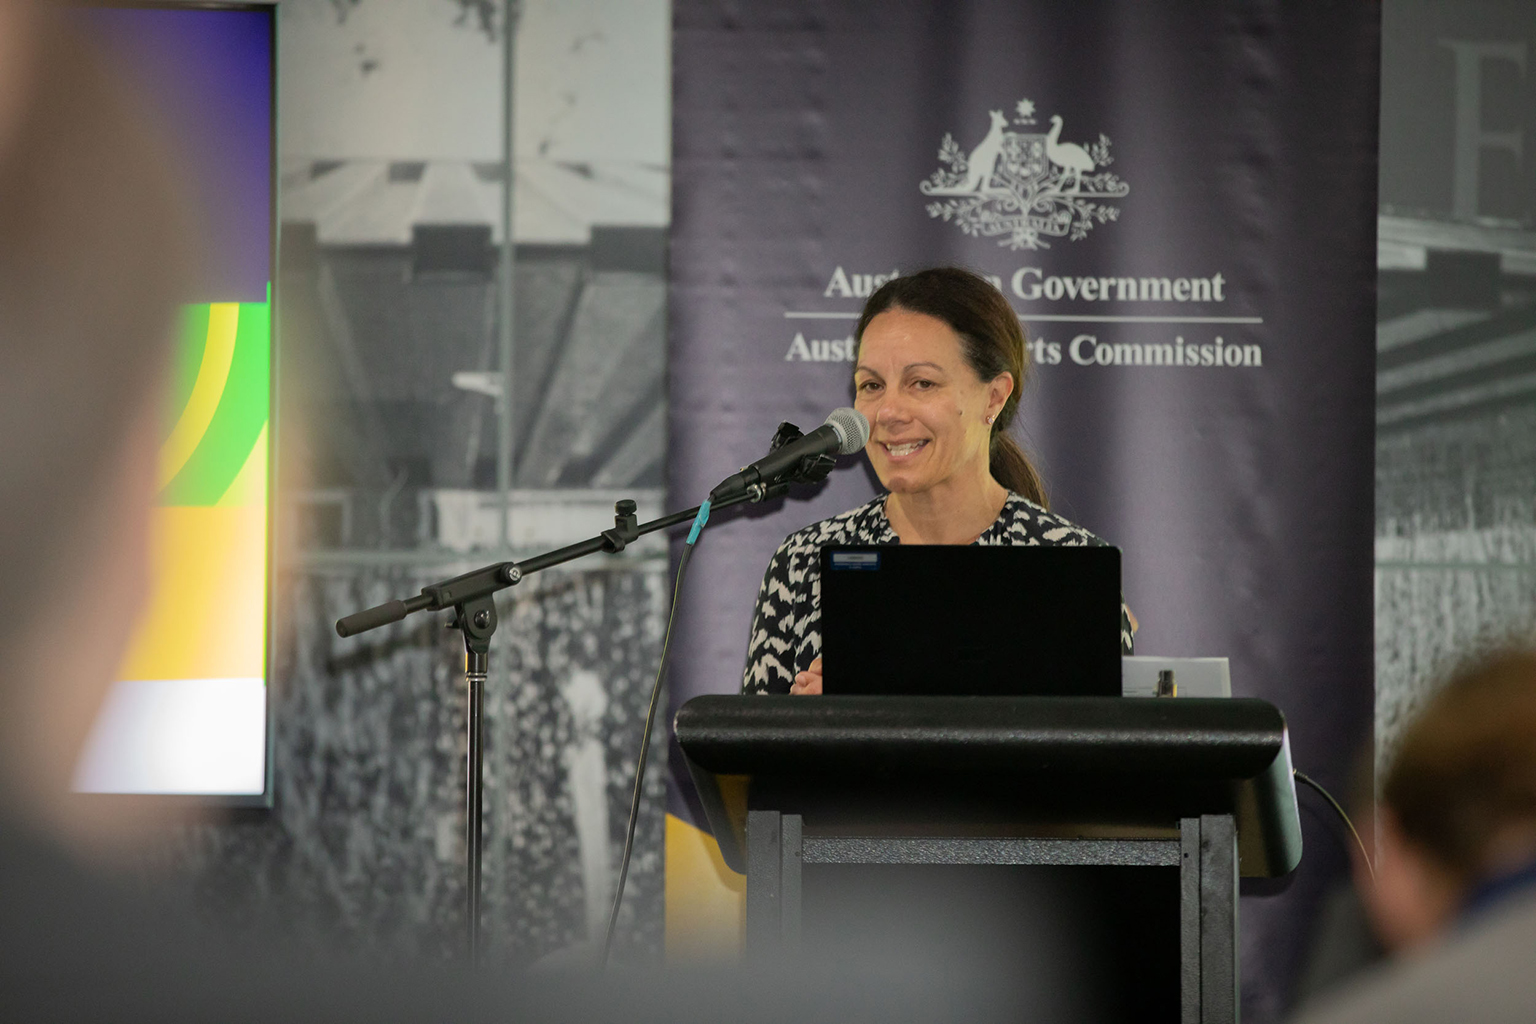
[[991, 418]]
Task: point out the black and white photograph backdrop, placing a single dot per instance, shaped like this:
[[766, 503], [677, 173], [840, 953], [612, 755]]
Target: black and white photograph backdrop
[[405, 458]]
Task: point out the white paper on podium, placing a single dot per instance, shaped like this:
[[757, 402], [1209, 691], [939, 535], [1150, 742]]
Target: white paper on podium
[[1193, 677]]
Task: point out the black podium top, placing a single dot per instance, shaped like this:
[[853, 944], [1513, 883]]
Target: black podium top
[[1099, 763]]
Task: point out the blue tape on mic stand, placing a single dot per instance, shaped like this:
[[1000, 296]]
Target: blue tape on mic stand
[[699, 521]]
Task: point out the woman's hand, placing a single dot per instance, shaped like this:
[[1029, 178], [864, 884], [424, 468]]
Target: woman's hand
[[808, 681]]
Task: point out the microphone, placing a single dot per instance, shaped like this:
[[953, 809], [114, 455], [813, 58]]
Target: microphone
[[845, 432]]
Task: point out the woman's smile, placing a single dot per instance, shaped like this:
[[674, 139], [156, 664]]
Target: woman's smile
[[899, 450]]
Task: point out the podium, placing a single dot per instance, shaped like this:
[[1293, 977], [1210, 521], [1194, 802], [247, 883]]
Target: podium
[[1200, 785]]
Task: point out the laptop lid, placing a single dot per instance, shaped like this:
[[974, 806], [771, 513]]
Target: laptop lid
[[971, 620]]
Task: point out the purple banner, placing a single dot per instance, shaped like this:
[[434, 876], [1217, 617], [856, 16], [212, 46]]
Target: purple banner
[[1180, 203]]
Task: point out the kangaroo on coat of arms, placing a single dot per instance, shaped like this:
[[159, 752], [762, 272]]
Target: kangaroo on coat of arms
[[1018, 186], [978, 166]]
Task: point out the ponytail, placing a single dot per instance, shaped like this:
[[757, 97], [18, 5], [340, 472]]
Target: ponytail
[[1012, 468]]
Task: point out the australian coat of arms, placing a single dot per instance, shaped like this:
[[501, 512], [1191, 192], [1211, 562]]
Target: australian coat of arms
[[1020, 186]]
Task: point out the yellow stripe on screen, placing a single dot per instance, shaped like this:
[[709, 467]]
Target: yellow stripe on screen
[[208, 616]]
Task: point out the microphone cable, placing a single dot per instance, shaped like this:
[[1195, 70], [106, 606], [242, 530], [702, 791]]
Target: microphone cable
[[1338, 808], [650, 721]]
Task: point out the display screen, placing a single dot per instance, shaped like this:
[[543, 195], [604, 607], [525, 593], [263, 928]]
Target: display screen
[[188, 713]]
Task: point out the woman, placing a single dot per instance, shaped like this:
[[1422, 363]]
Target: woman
[[941, 361]]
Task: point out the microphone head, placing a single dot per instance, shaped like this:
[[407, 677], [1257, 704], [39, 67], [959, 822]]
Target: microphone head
[[852, 429]]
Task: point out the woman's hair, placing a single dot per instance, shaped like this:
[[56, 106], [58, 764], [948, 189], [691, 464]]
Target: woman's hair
[[1466, 769], [993, 342]]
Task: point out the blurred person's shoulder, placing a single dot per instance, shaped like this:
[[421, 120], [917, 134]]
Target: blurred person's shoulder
[[70, 937], [77, 944], [45, 891], [1482, 973]]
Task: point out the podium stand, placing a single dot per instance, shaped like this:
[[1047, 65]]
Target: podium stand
[[1201, 785]]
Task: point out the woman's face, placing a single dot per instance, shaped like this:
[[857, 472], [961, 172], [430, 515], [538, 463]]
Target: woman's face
[[926, 407]]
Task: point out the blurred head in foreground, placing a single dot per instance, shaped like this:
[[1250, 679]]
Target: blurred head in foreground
[[93, 249], [1457, 829]]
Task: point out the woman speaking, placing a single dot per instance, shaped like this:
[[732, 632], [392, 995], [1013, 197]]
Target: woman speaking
[[941, 362]]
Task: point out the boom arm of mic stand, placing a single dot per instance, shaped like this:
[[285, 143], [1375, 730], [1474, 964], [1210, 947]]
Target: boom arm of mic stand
[[491, 578]]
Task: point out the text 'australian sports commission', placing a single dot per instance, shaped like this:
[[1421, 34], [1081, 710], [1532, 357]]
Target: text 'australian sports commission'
[[1084, 350]]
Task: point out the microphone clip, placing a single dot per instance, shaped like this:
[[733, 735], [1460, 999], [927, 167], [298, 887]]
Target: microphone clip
[[812, 469], [626, 527]]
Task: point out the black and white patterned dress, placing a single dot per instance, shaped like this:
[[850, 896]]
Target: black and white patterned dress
[[786, 625]]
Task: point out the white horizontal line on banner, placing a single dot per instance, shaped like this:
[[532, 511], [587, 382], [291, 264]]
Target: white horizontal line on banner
[[1143, 319], [1064, 319]]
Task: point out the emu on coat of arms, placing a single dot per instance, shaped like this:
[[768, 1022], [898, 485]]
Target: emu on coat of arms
[[1019, 186]]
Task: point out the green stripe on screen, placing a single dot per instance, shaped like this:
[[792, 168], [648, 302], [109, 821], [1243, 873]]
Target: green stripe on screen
[[237, 422]]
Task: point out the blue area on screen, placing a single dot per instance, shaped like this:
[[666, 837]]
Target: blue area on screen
[[209, 75]]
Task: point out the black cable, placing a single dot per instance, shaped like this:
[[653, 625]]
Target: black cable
[[645, 746], [1338, 808]]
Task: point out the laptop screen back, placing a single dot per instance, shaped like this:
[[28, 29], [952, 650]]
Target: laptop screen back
[[971, 620]]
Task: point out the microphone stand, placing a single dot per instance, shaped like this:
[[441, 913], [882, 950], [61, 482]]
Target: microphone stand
[[471, 596]]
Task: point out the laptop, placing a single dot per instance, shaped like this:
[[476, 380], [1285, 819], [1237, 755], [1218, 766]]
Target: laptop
[[971, 620]]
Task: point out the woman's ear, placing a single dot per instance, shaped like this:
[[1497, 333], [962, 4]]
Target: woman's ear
[[997, 393]]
